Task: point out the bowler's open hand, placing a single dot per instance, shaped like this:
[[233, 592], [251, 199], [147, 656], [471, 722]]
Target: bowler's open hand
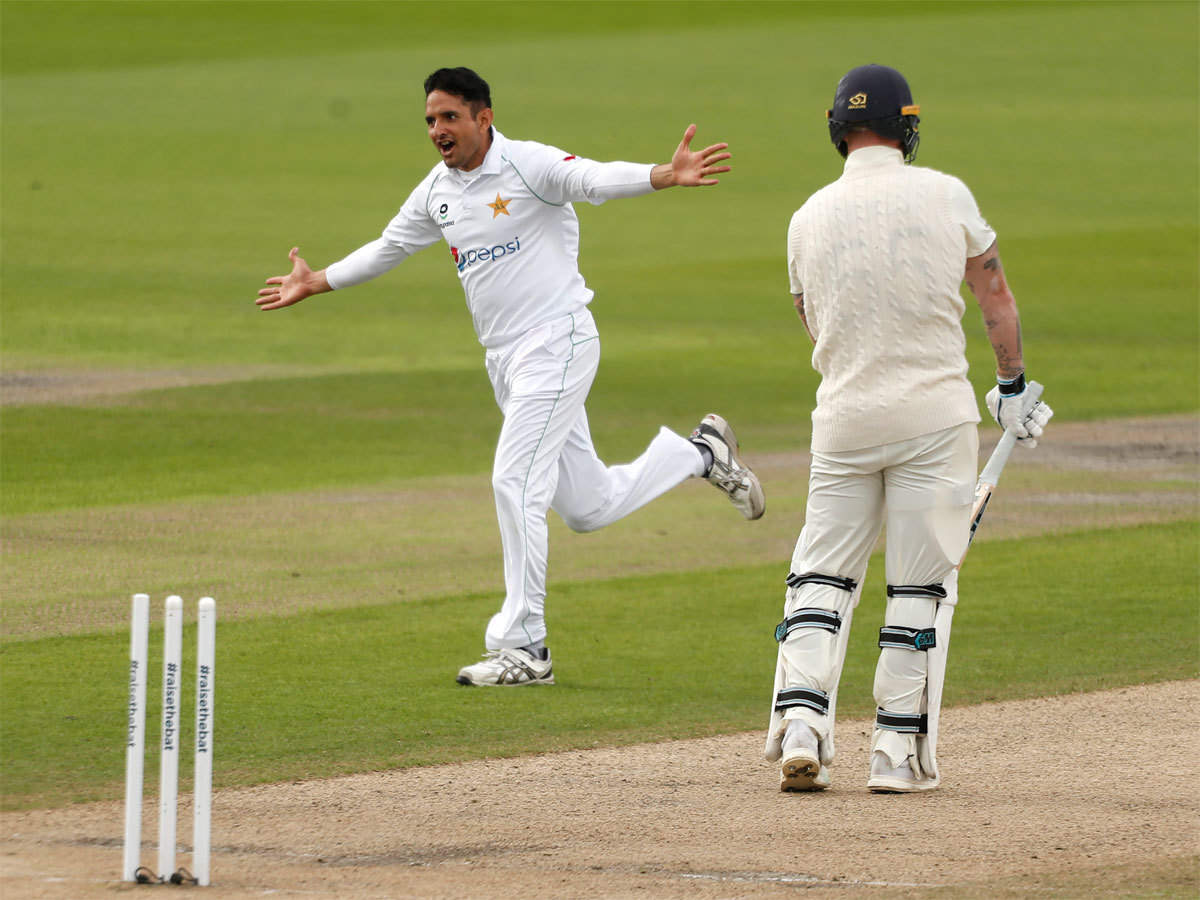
[[287, 289], [691, 168]]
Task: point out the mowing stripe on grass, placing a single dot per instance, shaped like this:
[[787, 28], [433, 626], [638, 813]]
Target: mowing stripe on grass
[[637, 659]]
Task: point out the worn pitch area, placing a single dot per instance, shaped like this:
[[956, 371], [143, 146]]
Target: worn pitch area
[[1067, 796]]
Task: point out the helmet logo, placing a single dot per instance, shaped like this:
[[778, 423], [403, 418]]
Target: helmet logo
[[858, 101]]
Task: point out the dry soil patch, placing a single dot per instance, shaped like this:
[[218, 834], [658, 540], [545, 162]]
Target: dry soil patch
[[1084, 795]]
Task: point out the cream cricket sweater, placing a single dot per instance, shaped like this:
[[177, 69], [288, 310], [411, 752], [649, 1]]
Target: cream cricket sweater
[[879, 256]]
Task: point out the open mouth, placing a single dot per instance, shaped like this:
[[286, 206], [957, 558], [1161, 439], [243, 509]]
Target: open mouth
[[446, 147]]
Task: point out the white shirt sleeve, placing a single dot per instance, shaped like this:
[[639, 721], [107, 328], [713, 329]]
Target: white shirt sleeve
[[978, 232], [411, 229], [367, 262], [559, 177]]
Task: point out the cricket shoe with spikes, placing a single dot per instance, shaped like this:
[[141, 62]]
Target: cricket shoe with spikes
[[508, 667], [727, 472], [801, 764]]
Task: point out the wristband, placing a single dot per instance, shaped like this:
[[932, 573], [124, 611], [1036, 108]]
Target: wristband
[[1013, 387]]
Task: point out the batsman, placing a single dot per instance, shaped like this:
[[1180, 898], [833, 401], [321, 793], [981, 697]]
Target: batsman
[[875, 262]]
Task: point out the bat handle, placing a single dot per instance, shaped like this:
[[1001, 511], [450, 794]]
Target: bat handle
[[995, 464]]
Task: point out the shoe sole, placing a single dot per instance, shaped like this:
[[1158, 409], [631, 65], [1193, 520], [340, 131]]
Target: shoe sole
[[882, 785], [758, 500], [802, 772], [463, 679]]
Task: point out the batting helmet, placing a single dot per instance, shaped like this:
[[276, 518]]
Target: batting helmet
[[877, 97]]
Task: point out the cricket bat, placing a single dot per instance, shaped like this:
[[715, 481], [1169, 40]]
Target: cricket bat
[[936, 672], [990, 476]]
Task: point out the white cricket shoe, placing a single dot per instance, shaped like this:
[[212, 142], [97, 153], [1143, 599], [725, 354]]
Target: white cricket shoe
[[508, 667], [728, 473], [801, 763], [888, 779]]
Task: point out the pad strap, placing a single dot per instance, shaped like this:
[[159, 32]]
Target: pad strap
[[808, 618], [907, 638], [905, 723], [809, 698], [846, 584], [934, 591]]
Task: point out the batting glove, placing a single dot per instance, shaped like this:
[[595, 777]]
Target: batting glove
[[1014, 409]]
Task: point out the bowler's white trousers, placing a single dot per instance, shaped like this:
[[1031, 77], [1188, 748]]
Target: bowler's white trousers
[[545, 460]]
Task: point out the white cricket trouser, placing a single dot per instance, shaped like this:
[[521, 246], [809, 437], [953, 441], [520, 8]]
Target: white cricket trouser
[[545, 460], [923, 489]]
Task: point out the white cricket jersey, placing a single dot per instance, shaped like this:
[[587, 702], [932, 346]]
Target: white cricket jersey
[[879, 256], [512, 232]]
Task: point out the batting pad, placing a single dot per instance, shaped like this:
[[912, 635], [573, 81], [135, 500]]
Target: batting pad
[[812, 639], [936, 677]]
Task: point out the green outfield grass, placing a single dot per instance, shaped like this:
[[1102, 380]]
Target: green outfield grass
[[322, 693], [159, 159]]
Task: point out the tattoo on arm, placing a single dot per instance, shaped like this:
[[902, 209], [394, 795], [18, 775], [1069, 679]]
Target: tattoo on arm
[[1009, 360], [984, 275]]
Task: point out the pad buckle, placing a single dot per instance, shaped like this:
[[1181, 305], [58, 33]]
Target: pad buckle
[[907, 638]]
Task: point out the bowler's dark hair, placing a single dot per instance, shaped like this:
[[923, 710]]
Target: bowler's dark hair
[[461, 82]]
